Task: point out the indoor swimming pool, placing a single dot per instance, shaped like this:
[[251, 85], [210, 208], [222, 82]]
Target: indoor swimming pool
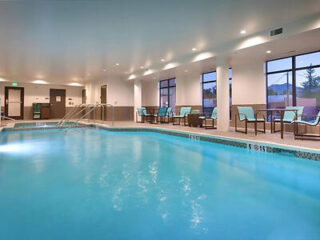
[[95, 184]]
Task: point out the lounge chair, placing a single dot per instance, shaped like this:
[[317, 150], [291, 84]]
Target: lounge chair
[[162, 113], [184, 112], [247, 115], [142, 113], [293, 113], [213, 117], [305, 136]]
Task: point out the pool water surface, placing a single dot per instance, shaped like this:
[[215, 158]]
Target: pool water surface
[[95, 184]]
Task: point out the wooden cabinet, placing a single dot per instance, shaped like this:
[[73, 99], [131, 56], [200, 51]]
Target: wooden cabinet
[[194, 121], [45, 110]]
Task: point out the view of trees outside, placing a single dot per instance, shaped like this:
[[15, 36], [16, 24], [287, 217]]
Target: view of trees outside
[[308, 90], [280, 90], [307, 86]]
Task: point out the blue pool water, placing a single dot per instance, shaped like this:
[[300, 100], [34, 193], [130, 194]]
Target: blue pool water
[[94, 184]]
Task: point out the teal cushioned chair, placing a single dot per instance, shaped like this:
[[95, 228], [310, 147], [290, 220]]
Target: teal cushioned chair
[[139, 114], [162, 113], [293, 113], [184, 112], [247, 115], [305, 136], [142, 113], [213, 118]]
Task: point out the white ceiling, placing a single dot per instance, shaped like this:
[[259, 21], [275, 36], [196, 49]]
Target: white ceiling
[[65, 41]]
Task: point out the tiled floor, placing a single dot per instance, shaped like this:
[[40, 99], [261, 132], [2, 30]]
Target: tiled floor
[[288, 139]]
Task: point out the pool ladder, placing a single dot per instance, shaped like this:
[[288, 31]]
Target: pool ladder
[[79, 112]]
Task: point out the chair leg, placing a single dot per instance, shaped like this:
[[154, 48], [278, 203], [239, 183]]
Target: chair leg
[[255, 128], [235, 123], [246, 123]]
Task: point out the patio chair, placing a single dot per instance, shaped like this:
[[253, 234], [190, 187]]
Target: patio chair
[[293, 113], [247, 115], [213, 117], [162, 113], [305, 136], [142, 113], [184, 112]]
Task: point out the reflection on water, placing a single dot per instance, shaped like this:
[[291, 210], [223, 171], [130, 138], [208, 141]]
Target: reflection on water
[[118, 185]]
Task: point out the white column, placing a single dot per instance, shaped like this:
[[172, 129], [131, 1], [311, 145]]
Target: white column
[[137, 97], [223, 94]]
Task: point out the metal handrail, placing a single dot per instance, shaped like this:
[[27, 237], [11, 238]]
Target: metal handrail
[[8, 118], [72, 113], [92, 107]]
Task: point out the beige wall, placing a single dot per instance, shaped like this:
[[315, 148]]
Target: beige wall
[[150, 93], [248, 82], [119, 91], [248, 85], [41, 93], [188, 90]]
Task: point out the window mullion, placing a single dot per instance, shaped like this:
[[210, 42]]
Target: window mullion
[[294, 99]]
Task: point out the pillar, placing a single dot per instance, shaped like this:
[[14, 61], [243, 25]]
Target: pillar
[[137, 97], [223, 93]]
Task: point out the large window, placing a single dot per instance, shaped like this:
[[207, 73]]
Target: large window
[[168, 93], [294, 81], [209, 91]]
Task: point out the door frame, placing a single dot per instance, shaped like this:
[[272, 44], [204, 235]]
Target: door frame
[[105, 86], [65, 99], [6, 96]]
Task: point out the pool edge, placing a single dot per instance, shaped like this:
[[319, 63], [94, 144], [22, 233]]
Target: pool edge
[[301, 152]]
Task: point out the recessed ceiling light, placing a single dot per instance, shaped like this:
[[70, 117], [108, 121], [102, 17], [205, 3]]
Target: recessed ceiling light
[[268, 51], [39, 82], [75, 84], [194, 49], [117, 64], [162, 60], [132, 76], [2, 80], [243, 32]]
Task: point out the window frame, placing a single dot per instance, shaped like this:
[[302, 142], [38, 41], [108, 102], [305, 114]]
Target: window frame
[[293, 69], [213, 81], [168, 89]]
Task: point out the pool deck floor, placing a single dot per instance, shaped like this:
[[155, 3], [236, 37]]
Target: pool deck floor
[[274, 138], [269, 138]]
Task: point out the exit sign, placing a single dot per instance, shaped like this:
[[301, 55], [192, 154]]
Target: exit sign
[[14, 84]]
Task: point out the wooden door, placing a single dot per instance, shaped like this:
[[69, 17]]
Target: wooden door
[[84, 96], [103, 94], [103, 99], [57, 103], [14, 102]]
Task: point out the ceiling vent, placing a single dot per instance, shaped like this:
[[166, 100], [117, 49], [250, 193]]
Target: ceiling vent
[[276, 32]]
